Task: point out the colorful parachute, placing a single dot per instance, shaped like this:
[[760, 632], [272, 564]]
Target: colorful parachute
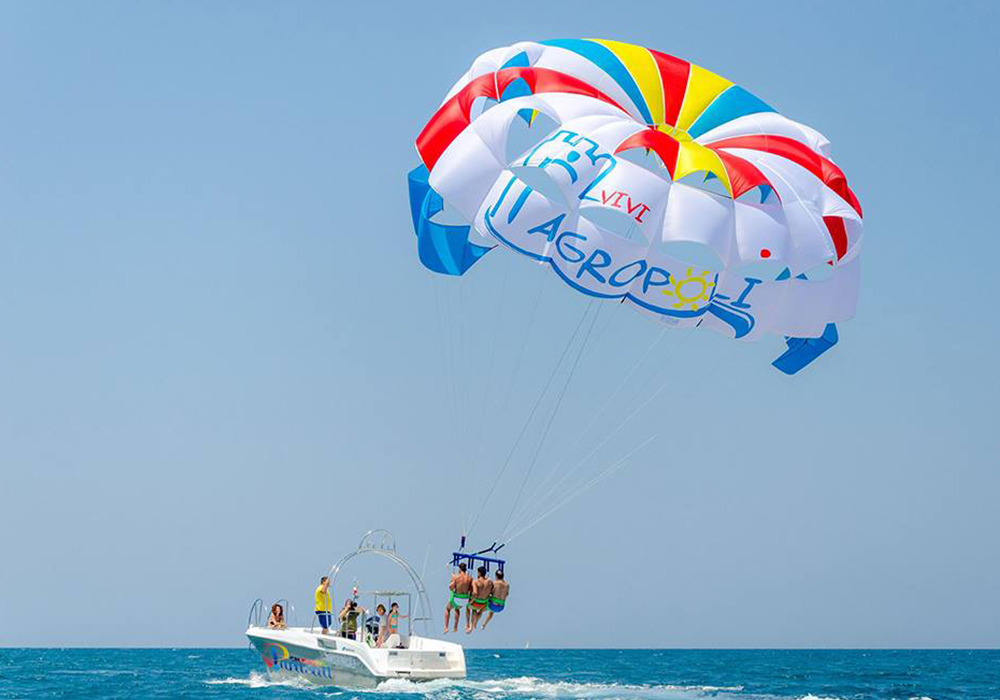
[[647, 179]]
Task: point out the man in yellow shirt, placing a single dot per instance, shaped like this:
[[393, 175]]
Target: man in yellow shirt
[[324, 605]]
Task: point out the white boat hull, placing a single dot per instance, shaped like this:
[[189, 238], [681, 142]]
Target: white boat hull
[[328, 660]]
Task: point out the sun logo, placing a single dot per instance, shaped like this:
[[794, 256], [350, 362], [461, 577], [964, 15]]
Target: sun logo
[[272, 653], [691, 290]]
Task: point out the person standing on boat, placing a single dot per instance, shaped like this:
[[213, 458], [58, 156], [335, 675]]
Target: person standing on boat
[[324, 604], [392, 619], [349, 619], [482, 587], [460, 587], [498, 596], [378, 625]]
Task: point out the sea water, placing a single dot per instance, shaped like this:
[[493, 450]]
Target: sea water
[[521, 675]]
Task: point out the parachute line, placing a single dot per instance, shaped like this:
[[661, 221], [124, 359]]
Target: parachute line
[[710, 371], [531, 415], [447, 349], [524, 344], [539, 495], [614, 432], [552, 415], [487, 394], [600, 477]]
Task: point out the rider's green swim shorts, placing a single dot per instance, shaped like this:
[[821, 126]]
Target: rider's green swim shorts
[[456, 597]]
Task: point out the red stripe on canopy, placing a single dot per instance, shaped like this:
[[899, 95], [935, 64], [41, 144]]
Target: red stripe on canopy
[[797, 152], [453, 116], [663, 145], [838, 232], [743, 175], [674, 74]]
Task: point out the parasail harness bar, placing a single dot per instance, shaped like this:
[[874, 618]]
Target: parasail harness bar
[[471, 558]]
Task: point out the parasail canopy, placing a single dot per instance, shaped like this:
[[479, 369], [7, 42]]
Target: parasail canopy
[[640, 177]]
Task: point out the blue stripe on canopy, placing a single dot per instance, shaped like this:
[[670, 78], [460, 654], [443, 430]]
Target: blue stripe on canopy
[[602, 57], [442, 248], [735, 102], [518, 60], [802, 351], [519, 88]]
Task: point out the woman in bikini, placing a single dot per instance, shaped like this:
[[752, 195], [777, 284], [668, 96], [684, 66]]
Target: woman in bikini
[[276, 620], [392, 618]]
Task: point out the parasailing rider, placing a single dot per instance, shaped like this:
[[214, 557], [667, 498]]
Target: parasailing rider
[[482, 588], [460, 587], [498, 596]]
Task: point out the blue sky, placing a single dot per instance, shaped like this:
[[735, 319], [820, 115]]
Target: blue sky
[[220, 361]]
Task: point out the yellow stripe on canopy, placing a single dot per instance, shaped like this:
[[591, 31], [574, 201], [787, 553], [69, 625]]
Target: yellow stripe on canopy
[[703, 87], [693, 157], [674, 132], [641, 66]]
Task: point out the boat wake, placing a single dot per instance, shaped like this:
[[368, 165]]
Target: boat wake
[[263, 680], [532, 687], [518, 688]]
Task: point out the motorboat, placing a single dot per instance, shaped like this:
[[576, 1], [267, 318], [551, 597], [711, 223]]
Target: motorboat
[[358, 658]]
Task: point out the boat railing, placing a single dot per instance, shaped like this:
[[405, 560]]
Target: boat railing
[[335, 621], [362, 632], [259, 609], [334, 631], [291, 620], [253, 619], [256, 610]]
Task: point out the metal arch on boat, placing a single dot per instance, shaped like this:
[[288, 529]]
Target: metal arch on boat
[[385, 546]]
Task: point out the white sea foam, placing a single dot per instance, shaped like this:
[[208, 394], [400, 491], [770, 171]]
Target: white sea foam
[[262, 680], [530, 686], [94, 672], [521, 687]]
